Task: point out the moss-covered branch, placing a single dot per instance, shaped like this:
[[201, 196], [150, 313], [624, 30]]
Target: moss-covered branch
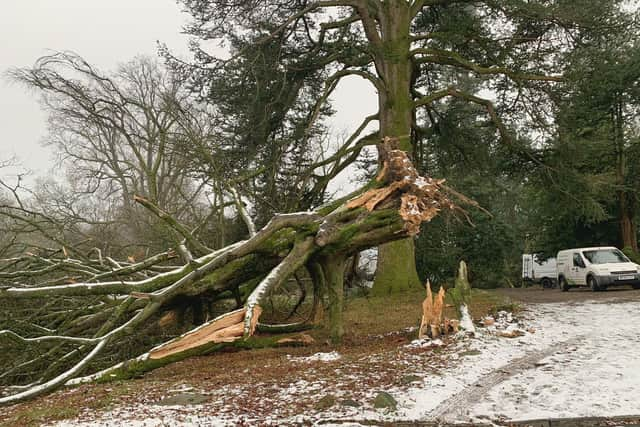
[[389, 208]]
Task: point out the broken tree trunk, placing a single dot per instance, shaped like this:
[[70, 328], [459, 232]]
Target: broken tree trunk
[[461, 296], [433, 323], [391, 208]]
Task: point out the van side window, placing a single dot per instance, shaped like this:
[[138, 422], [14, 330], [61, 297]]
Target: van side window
[[577, 261]]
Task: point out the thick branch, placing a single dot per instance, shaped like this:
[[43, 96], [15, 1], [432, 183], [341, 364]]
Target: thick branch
[[296, 259]]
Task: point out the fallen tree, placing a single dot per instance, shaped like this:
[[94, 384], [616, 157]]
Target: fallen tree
[[121, 298]]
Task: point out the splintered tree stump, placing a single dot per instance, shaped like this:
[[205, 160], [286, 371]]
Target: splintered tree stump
[[433, 323], [427, 313], [461, 296]]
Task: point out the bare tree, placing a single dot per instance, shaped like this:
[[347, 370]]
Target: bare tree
[[117, 135]]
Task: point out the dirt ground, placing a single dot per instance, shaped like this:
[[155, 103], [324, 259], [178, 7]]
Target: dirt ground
[[537, 295], [253, 382], [429, 381]]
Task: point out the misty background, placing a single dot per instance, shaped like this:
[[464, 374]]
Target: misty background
[[105, 34]]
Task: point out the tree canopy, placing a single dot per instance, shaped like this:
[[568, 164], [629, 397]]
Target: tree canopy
[[417, 55]]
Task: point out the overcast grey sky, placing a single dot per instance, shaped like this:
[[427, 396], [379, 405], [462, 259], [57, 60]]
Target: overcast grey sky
[[105, 33]]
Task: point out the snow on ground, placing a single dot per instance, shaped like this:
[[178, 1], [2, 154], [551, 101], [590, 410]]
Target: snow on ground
[[318, 357], [571, 360], [580, 361], [597, 375]]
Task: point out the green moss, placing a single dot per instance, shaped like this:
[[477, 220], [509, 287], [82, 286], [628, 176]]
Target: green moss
[[137, 368], [325, 402], [384, 400], [461, 293], [374, 220], [281, 240], [248, 287], [397, 269]]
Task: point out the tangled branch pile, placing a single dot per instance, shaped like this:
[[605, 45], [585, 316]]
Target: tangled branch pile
[[88, 308]]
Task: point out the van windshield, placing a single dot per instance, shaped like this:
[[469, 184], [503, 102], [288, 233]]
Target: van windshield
[[603, 256]]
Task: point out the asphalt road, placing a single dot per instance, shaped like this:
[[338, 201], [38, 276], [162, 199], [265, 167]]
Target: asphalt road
[[536, 295]]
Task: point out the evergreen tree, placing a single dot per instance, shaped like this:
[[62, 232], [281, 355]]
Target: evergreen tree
[[416, 54], [592, 196]]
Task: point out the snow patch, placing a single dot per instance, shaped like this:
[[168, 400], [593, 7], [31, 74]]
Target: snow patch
[[425, 343], [318, 357], [465, 319]]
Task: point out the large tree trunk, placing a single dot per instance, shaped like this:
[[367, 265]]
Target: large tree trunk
[[333, 268], [396, 268], [626, 199], [396, 271], [320, 241], [628, 230]]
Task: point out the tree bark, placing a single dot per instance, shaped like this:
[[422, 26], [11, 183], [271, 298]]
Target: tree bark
[[396, 267], [628, 230], [626, 199], [396, 270], [333, 267]]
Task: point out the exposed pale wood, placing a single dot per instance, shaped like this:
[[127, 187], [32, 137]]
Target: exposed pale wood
[[373, 198], [455, 326], [257, 311], [383, 171], [226, 328], [433, 323], [427, 311], [168, 319], [438, 305], [421, 198]]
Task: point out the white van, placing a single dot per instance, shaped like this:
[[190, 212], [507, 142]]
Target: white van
[[597, 268], [536, 271]]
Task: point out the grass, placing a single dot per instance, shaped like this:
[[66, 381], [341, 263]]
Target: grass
[[371, 316], [38, 416]]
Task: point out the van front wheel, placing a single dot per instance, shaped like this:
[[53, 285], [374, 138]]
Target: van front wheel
[[563, 284], [593, 284]]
